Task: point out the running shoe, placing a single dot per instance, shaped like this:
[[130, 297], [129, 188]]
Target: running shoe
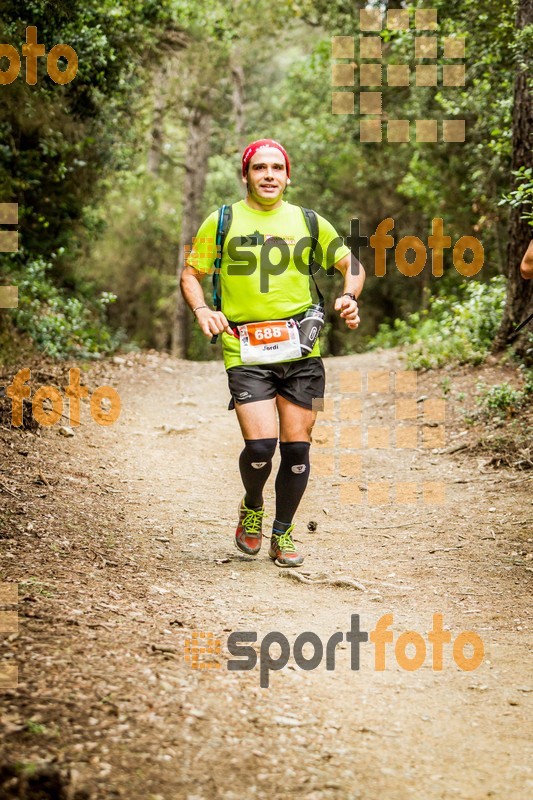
[[249, 533], [283, 551]]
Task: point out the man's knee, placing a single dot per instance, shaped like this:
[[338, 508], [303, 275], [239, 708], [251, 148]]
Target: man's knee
[[259, 450], [296, 454]]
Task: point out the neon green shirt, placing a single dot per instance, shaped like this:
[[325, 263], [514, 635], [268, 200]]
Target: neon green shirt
[[250, 289]]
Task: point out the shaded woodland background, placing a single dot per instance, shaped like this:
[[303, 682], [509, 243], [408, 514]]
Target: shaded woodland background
[[114, 171]]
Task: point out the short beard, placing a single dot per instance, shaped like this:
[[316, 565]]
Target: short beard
[[248, 189]]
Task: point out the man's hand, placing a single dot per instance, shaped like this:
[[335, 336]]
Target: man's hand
[[349, 311], [212, 322]]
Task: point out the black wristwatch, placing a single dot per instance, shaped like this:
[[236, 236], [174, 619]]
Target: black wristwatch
[[349, 295]]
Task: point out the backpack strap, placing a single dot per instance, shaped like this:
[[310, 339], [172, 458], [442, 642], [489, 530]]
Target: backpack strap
[[312, 224], [225, 216]]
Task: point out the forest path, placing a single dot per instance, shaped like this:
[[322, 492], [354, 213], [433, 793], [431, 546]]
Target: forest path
[[125, 549]]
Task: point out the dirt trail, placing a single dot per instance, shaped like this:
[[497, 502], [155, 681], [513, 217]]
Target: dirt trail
[[125, 548]]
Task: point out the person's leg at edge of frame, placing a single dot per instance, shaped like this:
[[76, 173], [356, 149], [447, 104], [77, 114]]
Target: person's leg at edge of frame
[[259, 429], [296, 424]]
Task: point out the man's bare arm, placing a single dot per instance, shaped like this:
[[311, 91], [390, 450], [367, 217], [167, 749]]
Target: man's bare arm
[[210, 321], [526, 267], [354, 274]]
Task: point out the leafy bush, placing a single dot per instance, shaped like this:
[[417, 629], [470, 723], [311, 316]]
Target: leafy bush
[[454, 329], [522, 196], [134, 253], [58, 324], [502, 398]]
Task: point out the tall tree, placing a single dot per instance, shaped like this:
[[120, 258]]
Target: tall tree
[[196, 156], [203, 89], [519, 302]]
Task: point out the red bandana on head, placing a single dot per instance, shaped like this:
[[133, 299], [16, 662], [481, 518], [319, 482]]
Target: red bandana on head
[[255, 146]]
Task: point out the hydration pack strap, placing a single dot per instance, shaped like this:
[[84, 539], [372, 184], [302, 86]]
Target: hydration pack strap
[[225, 215], [312, 224]]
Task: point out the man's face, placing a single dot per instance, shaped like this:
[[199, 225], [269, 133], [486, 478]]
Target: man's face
[[267, 175]]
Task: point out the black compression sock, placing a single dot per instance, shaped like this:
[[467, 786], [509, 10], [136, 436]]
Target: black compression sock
[[255, 464], [292, 477]]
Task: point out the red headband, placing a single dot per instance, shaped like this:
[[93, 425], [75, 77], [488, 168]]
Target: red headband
[[255, 146]]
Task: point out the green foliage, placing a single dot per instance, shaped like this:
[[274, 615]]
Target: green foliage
[[35, 728], [135, 255], [445, 386], [27, 768], [200, 347], [522, 196], [502, 399], [58, 145], [60, 324], [57, 140], [34, 586], [454, 329]]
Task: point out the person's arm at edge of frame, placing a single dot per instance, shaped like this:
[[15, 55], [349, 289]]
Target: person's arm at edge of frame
[[354, 279], [526, 267], [210, 321]]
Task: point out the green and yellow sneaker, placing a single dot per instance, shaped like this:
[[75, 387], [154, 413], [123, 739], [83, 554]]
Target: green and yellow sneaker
[[283, 551], [249, 533]]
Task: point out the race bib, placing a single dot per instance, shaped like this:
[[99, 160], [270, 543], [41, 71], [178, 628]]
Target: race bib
[[270, 341]]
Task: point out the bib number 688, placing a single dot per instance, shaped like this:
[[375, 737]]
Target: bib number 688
[[268, 333]]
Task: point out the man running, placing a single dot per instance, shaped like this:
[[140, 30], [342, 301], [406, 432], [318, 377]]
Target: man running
[[289, 383]]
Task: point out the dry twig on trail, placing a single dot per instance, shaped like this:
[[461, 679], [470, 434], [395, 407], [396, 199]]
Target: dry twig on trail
[[325, 579], [446, 549], [393, 586], [390, 527], [6, 489], [42, 479], [456, 448]]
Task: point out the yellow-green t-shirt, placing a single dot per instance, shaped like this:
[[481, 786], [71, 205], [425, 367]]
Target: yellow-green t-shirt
[[254, 283]]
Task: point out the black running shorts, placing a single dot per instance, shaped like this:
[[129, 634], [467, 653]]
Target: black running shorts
[[297, 381]]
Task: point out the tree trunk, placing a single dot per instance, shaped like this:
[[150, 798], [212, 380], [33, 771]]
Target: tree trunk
[[157, 131], [519, 300], [199, 128], [237, 80]]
